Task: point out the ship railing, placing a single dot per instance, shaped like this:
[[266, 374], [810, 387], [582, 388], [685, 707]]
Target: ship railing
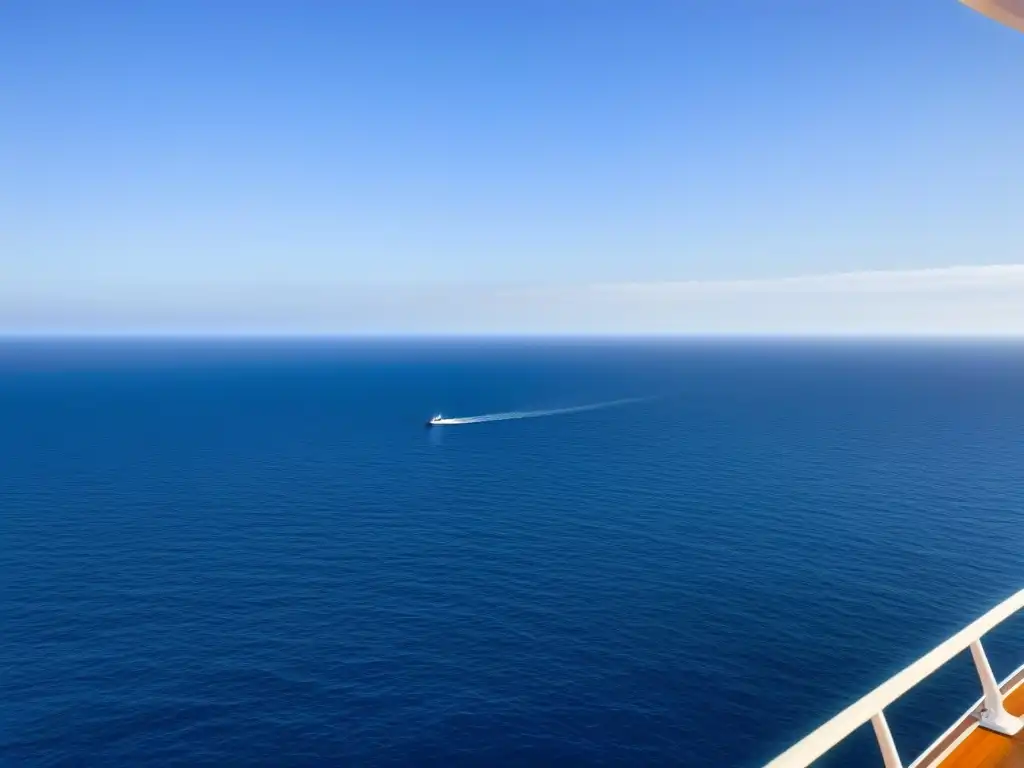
[[992, 715]]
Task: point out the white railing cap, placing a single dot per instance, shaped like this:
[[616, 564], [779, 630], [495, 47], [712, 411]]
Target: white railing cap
[[817, 743]]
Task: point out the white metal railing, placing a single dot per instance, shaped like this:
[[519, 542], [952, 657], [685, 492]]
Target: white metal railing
[[962, 727], [872, 706]]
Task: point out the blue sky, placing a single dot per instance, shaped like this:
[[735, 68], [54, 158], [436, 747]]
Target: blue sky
[[482, 166]]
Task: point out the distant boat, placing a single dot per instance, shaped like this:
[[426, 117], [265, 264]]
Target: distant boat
[[434, 421]]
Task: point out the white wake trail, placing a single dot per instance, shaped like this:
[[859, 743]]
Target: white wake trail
[[451, 422]]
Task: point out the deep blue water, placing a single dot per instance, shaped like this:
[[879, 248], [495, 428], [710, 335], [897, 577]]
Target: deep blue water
[[253, 553]]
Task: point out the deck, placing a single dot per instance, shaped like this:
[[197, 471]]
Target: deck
[[968, 746]]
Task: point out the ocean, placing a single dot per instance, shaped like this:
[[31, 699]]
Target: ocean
[[252, 552]]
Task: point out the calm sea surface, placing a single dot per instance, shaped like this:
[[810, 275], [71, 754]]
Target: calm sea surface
[[253, 553]]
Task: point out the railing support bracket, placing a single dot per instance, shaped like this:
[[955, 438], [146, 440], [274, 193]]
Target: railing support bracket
[[890, 756], [993, 716]]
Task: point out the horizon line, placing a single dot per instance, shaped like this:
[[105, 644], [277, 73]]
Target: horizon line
[[257, 335]]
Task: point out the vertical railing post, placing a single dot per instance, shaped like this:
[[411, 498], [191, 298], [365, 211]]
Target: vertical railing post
[[890, 756], [993, 714]]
